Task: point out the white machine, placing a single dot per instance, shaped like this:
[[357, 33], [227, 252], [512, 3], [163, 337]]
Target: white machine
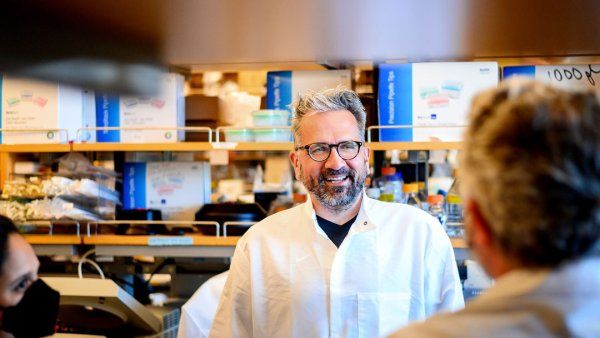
[[101, 307]]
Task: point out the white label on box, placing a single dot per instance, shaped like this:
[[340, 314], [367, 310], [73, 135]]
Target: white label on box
[[55, 109], [442, 94], [430, 94], [178, 189], [28, 104], [156, 113]]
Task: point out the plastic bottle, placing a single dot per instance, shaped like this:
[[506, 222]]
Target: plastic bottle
[[390, 185], [436, 208], [411, 190], [423, 196], [454, 212]]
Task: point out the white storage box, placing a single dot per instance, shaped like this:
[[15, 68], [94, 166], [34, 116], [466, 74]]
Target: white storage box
[[430, 94], [564, 76], [48, 106], [178, 189], [283, 87], [166, 110]]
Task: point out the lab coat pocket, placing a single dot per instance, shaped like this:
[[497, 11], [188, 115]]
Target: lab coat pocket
[[380, 313]]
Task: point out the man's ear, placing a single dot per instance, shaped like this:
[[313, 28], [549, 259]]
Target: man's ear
[[479, 233], [294, 159]]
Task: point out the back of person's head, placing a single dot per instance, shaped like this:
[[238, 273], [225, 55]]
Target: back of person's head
[[7, 227], [531, 161]]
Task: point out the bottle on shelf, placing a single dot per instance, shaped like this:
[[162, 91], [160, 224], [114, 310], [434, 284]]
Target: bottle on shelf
[[411, 191], [436, 208], [454, 212], [422, 194], [390, 185]]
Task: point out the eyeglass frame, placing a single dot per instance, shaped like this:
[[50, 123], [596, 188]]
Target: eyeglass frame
[[330, 145]]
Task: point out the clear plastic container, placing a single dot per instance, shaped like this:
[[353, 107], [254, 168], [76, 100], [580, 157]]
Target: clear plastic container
[[271, 117], [390, 185], [239, 135], [454, 212], [436, 208], [272, 135], [411, 191]]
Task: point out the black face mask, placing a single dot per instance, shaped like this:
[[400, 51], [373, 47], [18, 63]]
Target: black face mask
[[36, 313]]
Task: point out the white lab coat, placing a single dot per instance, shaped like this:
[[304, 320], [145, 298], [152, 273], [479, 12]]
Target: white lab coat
[[287, 279], [526, 304], [198, 312]]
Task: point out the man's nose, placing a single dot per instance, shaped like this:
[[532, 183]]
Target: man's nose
[[335, 161]]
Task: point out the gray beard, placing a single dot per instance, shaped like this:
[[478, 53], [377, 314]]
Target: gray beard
[[336, 199]]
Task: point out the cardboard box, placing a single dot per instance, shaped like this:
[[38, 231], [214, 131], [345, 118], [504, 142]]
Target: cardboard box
[[178, 189], [564, 76], [283, 87], [201, 107], [29, 104], [430, 94], [165, 110]]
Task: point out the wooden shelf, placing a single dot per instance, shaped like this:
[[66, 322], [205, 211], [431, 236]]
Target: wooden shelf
[[53, 239], [414, 145], [178, 146], [35, 148], [260, 146], [198, 240], [205, 146]]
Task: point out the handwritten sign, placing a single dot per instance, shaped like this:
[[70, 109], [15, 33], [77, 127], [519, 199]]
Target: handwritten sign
[[566, 76], [170, 241]]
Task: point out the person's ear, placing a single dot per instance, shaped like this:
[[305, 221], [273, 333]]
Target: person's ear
[[294, 159], [479, 233]]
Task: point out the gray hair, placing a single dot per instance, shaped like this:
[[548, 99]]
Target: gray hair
[[531, 160], [338, 98]]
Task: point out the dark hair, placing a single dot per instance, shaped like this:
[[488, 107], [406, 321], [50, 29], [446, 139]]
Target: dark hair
[[7, 227], [531, 160]]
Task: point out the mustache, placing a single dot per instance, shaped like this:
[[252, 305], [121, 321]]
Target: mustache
[[327, 172]]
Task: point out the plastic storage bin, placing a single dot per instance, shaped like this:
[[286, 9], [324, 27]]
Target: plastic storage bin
[[239, 135], [271, 117], [272, 135]]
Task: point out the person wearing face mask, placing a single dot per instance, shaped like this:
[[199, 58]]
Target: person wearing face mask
[[28, 307], [341, 264]]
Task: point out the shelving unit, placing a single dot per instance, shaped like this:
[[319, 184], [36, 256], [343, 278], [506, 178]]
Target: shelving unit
[[179, 146], [174, 246], [202, 246], [35, 148], [124, 245], [205, 146]]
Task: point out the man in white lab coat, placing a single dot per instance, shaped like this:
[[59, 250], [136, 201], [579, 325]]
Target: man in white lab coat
[[530, 176], [341, 264]]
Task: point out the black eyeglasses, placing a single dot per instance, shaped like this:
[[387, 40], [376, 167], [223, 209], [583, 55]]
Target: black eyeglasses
[[320, 152]]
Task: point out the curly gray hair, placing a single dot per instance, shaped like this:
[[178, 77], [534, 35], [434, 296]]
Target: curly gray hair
[[531, 160], [338, 98]]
